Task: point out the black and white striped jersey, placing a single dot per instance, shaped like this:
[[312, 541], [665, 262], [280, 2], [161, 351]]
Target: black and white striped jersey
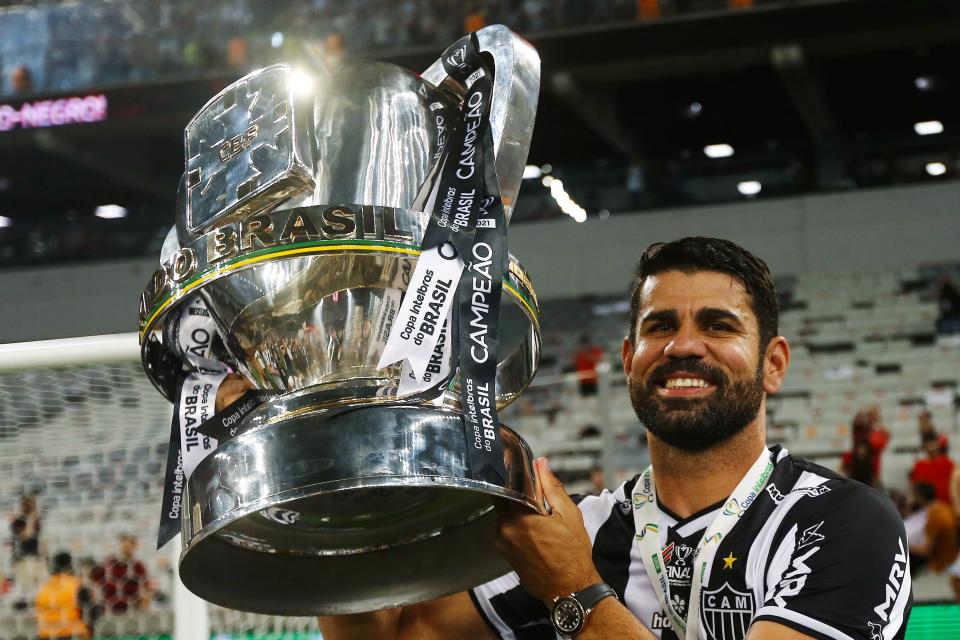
[[816, 552]]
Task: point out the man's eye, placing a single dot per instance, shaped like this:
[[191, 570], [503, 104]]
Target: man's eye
[[660, 327], [719, 326]]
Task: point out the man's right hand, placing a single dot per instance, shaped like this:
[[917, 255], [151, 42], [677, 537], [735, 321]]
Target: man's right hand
[[450, 618]]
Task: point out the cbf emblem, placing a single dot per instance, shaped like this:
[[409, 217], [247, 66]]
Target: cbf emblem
[[726, 613]]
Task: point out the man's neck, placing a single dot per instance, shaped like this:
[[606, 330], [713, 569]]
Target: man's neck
[[690, 481]]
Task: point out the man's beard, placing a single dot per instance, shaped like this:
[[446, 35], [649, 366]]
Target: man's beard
[[696, 424]]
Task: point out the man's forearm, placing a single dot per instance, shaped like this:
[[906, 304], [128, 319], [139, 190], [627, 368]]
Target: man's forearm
[[361, 626], [610, 619]]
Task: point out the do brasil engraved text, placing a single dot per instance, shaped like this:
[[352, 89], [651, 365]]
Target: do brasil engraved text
[[276, 230]]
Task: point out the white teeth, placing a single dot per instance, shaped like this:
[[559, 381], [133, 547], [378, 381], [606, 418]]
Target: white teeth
[[677, 383]]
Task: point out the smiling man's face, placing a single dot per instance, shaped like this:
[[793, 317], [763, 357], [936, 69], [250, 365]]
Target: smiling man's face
[[694, 362]]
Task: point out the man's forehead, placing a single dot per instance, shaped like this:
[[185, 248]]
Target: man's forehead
[[696, 289]]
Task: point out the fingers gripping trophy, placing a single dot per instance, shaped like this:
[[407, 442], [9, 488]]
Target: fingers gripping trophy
[[344, 250]]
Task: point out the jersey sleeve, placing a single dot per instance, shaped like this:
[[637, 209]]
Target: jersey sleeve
[[511, 611], [842, 568]]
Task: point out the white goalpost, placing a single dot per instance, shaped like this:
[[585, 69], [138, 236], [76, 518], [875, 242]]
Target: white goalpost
[[83, 430]]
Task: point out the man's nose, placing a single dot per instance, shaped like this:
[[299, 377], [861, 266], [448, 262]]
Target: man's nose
[[687, 342]]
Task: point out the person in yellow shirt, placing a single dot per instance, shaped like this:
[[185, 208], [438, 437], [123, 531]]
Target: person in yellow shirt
[[61, 603]]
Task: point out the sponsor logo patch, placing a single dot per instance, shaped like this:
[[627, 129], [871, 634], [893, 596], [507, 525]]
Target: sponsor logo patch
[[794, 578], [892, 588]]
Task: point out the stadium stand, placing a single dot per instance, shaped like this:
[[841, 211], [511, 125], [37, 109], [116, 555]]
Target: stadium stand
[[89, 441], [150, 40], [622, 124]]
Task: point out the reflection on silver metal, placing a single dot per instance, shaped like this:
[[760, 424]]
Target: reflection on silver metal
[[376, 137], [297, 225], [247, 150], [364, 510], [319, 323]]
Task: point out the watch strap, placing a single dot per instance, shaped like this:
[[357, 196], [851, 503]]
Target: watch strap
[[593, 594]]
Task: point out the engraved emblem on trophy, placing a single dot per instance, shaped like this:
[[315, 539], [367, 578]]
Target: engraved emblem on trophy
[[347, 247]]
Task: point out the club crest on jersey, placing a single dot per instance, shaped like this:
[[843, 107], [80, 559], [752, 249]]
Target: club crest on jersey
[[726, 613]]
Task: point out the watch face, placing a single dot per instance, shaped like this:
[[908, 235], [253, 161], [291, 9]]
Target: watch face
[[567, 616]]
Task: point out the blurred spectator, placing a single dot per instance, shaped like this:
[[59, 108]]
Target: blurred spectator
[[585, 362], [948, 297], [870, 438], [955, 490], [954, 571], [925, 425], [123, 579], [474, 21], [648, 9], [65, 607], [938, 549], [20, 80], [237, 52], [935, 468], [28, 566], [597, 481], [860, 464]]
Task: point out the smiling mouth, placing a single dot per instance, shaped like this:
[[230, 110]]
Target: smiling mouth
[[683, 386]]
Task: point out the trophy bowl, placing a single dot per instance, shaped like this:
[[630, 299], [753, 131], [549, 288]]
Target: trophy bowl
[[366, 510], [300, 220]]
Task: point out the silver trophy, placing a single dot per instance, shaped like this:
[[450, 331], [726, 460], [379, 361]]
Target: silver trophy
[[299, 224]]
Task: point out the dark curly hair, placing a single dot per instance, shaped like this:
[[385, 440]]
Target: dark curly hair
[[712, 254]]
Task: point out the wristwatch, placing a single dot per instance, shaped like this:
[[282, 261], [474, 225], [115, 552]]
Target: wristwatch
[[570, 612]]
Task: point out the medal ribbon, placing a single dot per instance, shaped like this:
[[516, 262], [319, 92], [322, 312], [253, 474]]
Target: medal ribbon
[[646, 516]]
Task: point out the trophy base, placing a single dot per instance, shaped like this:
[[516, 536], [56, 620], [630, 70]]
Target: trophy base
[[334, 513]]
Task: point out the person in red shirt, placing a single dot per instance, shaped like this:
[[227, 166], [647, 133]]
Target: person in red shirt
[[925, 425], [935, 469], [123, 579], [870, 438], [585, 362]]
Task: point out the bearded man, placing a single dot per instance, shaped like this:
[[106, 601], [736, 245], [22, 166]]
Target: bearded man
[[722, 536]]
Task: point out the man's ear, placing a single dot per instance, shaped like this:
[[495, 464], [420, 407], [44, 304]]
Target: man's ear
[[626, 355], [775, 363]]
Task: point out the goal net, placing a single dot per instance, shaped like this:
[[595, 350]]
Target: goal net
[[84, 432]]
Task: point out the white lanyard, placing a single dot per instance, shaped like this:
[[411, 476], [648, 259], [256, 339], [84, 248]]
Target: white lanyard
[[646, 515]]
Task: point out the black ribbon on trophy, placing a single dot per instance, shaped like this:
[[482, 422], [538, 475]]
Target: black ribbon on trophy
[[465, 244], [195, 429]]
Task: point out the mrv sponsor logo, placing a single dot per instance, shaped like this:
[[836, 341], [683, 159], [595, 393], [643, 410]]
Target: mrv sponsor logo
[[794, 578], [898, 571]]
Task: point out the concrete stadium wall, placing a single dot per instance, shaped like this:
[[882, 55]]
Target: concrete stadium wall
[[854, 231]]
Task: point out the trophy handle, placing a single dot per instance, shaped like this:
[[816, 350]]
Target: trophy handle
[[516, 88]]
